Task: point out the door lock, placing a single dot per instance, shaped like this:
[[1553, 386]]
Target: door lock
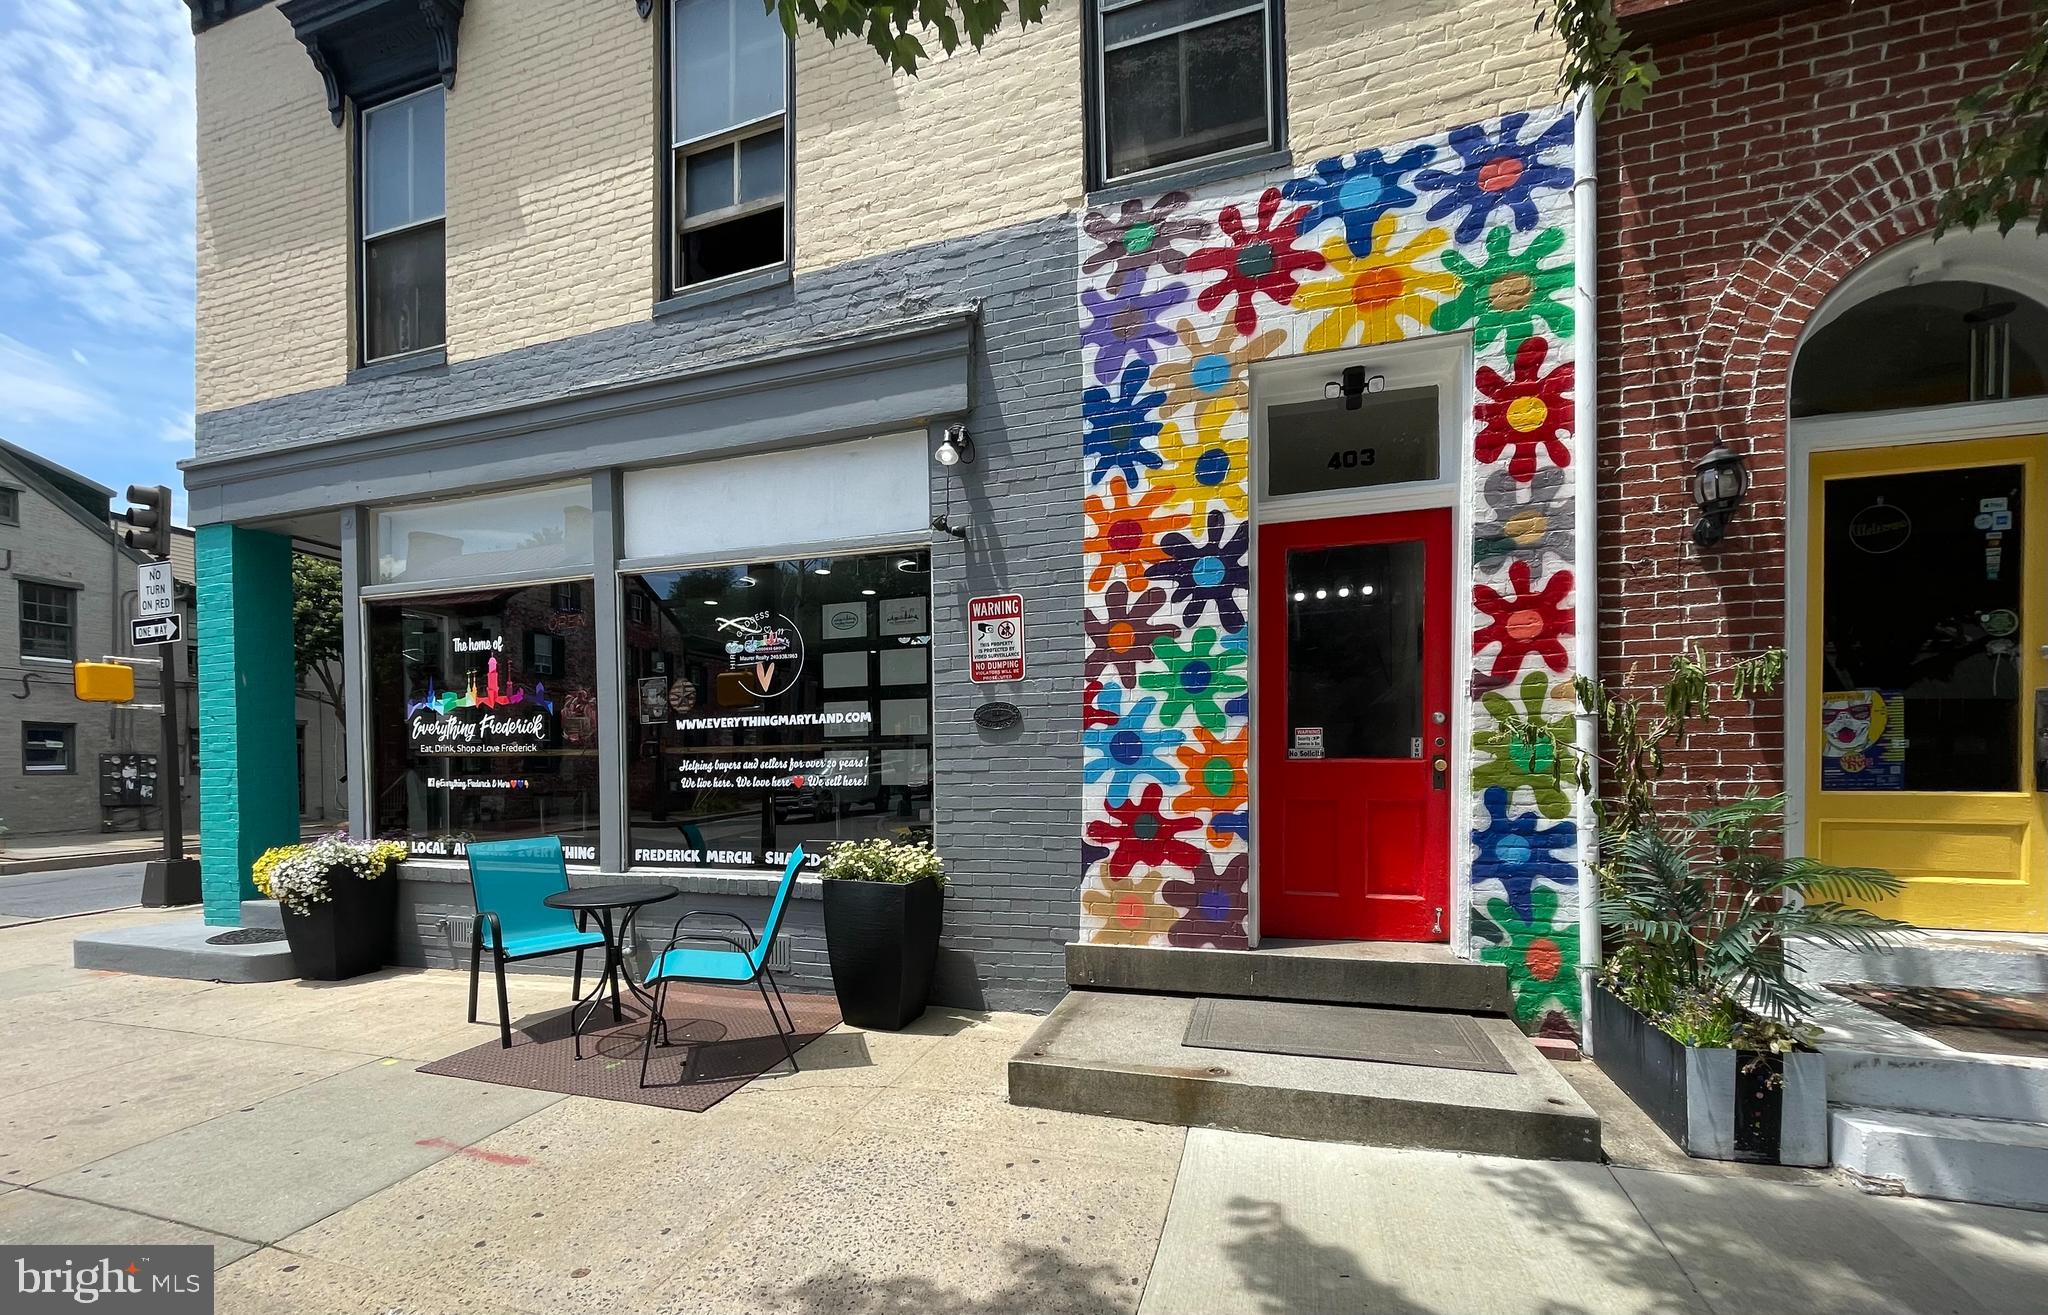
[[1439, 774]]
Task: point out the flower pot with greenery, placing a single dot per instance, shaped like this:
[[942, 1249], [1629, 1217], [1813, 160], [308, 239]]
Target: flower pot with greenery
[[1696, 1013], [340, 912], [882, 906]]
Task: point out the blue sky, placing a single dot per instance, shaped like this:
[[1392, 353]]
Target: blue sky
[[96, 236]]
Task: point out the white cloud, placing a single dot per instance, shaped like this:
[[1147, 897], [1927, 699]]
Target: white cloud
[[36, 387], [97, 158], [176, 429], [79, 357]]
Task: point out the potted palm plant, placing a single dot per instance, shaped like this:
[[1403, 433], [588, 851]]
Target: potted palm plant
[[1696, 1014], [882, 905], [339, 916]]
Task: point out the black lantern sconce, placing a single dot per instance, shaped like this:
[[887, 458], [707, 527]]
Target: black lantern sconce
[[1719, 482]]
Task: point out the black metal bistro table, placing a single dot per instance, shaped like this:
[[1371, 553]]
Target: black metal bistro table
[[614, 907]]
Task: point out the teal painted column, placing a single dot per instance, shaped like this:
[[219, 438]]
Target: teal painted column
[[248, 755]]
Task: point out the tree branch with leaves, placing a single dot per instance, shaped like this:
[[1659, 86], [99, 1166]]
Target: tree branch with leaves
[[316, 625]]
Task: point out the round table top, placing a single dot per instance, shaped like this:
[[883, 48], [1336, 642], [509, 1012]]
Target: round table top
[[626, 895]]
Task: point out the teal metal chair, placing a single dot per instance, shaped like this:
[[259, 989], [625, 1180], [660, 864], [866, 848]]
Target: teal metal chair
[[735, 965], [509, 879]]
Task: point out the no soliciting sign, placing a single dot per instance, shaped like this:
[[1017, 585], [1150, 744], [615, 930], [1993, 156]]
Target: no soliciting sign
[[995, 638]]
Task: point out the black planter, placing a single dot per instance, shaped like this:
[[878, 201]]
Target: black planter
[[882, 939], [1716, 1104], [349, 934]]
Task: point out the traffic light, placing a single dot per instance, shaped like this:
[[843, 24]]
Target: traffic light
[[150, 514]]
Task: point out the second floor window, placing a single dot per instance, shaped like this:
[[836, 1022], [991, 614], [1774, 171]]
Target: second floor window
[[10, 506], [1181, 81], [403, 257], [49, 615], [728, 139]]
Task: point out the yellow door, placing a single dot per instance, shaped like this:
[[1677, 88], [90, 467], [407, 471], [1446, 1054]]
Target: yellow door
[[1926, 617]]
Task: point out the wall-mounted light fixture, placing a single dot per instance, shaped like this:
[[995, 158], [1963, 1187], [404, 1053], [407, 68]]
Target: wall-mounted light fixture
[[956, 447], [1719, 482], [1353, 384]]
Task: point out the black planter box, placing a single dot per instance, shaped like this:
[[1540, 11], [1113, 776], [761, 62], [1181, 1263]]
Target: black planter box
[[882, 939], [349, 934], [1715, 1103]]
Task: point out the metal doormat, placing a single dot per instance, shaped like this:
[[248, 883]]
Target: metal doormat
[[1373, 1036], [248, 936]]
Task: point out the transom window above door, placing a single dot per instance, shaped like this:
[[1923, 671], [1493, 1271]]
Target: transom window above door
[[1929, 344], [1357, 431], [1177, 82], [728, 139]]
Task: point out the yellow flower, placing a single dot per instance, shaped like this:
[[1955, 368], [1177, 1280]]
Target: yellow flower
[[1209, 468], [1373, 293]]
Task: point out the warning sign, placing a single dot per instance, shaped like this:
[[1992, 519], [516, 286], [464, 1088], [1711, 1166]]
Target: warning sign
[[995, 638]]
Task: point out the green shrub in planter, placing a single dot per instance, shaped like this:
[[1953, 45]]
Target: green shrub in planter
[[882, 906]]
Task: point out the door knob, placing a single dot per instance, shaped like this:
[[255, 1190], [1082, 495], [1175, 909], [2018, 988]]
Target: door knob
[[1439, 774]]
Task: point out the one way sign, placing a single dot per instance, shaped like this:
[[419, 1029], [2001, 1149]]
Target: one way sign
[[145, 630]]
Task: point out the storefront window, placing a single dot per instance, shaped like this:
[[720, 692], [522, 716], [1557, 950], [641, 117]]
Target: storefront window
[[777, 704], [483, 719], [532, 532]]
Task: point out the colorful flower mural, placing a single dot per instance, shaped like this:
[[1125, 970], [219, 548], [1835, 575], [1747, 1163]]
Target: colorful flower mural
[[1180, 296]]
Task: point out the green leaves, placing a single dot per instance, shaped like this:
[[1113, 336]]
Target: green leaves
[[897, 29], [2004, 162], [1595, 58]]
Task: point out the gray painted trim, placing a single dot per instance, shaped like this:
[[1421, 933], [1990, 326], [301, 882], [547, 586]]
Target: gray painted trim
[[842, 385], [738, 285], [355, 667], [432, 358], [462, 584], [611, 671], [908, 541]]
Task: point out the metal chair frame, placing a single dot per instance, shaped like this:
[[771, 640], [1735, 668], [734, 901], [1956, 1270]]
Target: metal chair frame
[[762, 977]]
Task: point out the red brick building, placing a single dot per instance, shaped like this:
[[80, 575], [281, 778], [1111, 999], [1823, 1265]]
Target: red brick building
[[1768, 281]]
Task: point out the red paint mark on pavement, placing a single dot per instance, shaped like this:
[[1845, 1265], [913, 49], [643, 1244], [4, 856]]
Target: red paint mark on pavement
[[473, 1152]]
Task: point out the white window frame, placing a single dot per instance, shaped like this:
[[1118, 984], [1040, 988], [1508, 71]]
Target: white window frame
[[680, 149], [365, 235], [69, 738], [1098, 107]]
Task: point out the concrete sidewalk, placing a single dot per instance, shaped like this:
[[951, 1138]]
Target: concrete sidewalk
[[285, 1125], [85, 849]]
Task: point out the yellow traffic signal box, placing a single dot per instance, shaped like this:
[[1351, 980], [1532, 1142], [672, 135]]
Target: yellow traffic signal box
[[103, 682]]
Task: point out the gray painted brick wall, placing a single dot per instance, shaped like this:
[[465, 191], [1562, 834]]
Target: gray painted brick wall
[[1007, 802]]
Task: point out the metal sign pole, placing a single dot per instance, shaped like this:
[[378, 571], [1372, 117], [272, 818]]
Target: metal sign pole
[[172, 879]]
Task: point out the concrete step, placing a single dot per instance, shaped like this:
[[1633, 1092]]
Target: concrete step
[[1119, 1054], [1972, 1086], [1399, 975], [263, 913], [1986, 1161], [2003, 962], [180, 949]]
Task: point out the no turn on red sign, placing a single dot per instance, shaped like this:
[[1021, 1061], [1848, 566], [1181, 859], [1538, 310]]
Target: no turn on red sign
[[995, 638]]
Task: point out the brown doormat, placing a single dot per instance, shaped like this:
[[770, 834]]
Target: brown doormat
[[720, 1040], [1373, 1036], [1985, 1022]]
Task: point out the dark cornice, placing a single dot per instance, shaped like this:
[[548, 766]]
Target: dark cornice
[[212, 13], [1658, 21], [371, 50]]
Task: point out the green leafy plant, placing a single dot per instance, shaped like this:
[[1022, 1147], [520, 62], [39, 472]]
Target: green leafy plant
[[1596, 57], [300, 876], [1704, 914], [897, 862], [2005, 156], [316, 624], [897, 29]]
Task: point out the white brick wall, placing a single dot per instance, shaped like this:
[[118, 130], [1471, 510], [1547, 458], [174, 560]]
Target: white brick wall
[[551, 181], [273, 218], [553, 159], [975, 141]]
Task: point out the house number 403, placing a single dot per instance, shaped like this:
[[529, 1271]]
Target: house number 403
[[1349, 458]]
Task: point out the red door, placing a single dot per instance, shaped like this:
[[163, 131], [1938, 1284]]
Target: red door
[[1354, 672]]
